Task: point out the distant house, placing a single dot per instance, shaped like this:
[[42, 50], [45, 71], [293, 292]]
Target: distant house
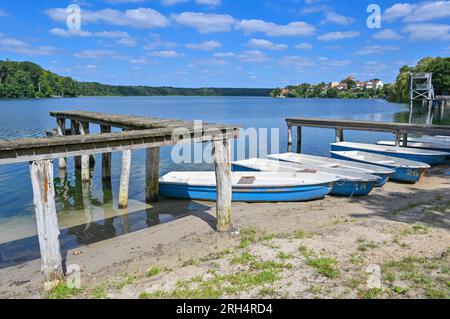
[[333, 85], [285, 91], [360, 85], [378, 83], [342, 86]]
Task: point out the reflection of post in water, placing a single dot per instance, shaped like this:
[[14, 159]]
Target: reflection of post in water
[[152, 216], [62, 188], [87, 202], [125, 221]]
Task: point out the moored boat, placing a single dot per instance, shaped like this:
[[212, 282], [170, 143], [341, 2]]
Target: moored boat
[[405, 170], [382, 172], [425, 145], [413, 154], [349, 183], [249, 186]]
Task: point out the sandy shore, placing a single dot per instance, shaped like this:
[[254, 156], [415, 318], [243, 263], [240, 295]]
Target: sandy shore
[[318, 249]]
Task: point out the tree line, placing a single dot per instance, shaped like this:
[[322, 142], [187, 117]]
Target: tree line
[[29, 80]]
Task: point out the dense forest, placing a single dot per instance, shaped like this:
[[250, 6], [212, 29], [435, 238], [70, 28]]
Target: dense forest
[[440, 67], [29, 80]]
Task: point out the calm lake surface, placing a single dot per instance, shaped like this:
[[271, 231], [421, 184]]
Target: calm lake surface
[[94, 217]]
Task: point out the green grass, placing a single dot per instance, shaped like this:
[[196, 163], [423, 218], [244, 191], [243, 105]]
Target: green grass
[[249, 236], [243, 259], [99, 293], [128, 280], [371, 293], [284, 256], [325, 266], [190, 262], [61, 291], [154, 271], [266, 292], [144, 295], [364, 245], [301, 234]]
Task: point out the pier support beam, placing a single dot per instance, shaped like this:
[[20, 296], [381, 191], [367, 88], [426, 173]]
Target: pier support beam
[[41, 173], [299, 139], [106, 157], [85, 175], [222, 159], [339, 135], [405, 140], [74, 130], [398, 138], [152, 175], [289, 148], [61, 130], [125, 179]]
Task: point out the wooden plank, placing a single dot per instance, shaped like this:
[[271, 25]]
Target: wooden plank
[[397, 139], [124, 179], [75, 130], [152, 175], [289, 148], [41, 173], [299, 139], [61, 131], [222, 163], [106, 157]]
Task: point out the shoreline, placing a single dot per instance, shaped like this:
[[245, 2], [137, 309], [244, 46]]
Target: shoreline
[[383, 228]]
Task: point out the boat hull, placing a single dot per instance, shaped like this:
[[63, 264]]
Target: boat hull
[[428, 159], [402, 174], [340, 188], [248, 194]]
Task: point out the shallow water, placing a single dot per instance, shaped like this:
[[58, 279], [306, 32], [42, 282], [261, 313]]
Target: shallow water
[[94, 216]]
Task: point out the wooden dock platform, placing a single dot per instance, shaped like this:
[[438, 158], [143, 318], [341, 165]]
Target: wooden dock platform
[[398, 129], [138, 132]]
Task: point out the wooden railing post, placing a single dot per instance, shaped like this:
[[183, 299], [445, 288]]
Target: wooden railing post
[[222, 159], [405, 140], [85, 174], [339, 135], [106, 157], [289, 148], [41, 173], [74, 130], [299, 139], [397, 138], [125, 179], [152, 175], [61, 130]]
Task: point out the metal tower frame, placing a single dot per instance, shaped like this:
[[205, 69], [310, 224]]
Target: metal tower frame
[[421, 87]]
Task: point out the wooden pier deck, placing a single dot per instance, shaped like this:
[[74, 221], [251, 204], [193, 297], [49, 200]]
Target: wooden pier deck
[[398, 129], [138, 132]]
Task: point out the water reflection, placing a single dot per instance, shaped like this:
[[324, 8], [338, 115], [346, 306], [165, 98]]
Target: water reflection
[[424, 113]]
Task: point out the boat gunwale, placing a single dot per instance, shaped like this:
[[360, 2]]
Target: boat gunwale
[[392, 149]]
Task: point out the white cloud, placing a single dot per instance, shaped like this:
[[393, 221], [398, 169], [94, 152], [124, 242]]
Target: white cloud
[[303, 46], [205, 46], [331, 36], [296, 61], [265, 44], [3, 13], [166, 54], [97, 54], [140, 60], [210, 3], [375, 49], [205, 22], [70, 33], [128, 42], [168, 3], [387, 34], [112, 34], [419, 12], [141, 18], [124, 1], [224, 55], [253, 56], [324, 61], [333, 17], [21, 47], [297, 28], [428, 31], [91, 66]]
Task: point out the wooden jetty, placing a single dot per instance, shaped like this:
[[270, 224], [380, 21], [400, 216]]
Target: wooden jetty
[[137, 132], [398, 129]]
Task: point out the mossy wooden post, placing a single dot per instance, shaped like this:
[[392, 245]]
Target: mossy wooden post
[[125, 179], [106, 157], [339, 135], [289, 148], [405, 140], [85, 175], [61, 130], [222, 159], [152, 175], [299, 139], [74, 130], [41, 173]]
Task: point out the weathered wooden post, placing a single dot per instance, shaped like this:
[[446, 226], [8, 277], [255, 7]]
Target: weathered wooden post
[[152, 175], [61, 130], [125, 179], [405, 140], [41, 173], [289, 148], [397, 138], [85, 175], [299, 139], [74, 130], [222, 159], [106, 157], [339, 135]]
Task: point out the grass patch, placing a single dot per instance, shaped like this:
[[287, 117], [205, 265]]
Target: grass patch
[[284, 256], [364, 245], [61, 291], [128, 280], [243, 259], [266, 292], [301, 234], [154, 271], [325, 266], [371, 293], [99, 293], [190, 262]]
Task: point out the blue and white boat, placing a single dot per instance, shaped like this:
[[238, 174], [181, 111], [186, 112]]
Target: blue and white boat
[[249, 186], [413, 154], [422, 144], [405, 170], [350, 183], [384, 173]]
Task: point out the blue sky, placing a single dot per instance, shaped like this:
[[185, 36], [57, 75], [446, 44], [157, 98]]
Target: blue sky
[[223, 43]]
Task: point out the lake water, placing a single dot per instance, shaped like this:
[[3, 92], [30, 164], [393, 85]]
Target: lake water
[[94, 216]]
